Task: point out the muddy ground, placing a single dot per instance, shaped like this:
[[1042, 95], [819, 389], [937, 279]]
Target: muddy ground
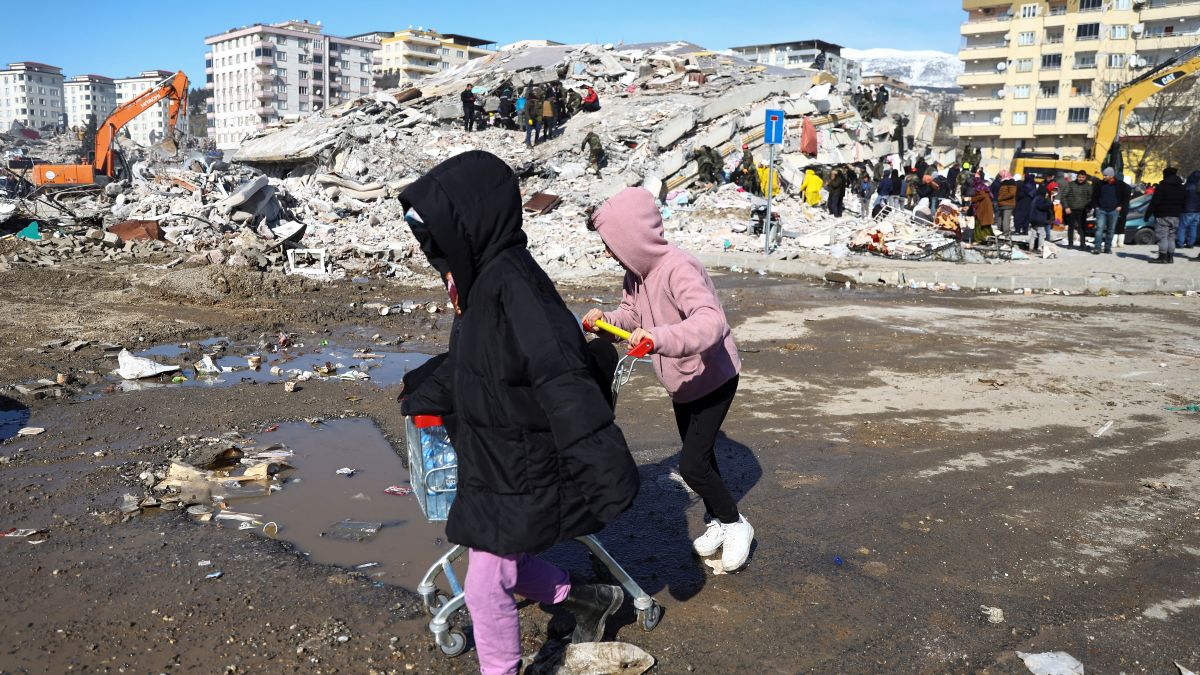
[[945, 448]]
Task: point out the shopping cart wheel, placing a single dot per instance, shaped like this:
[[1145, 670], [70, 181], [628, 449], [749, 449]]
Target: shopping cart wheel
[[649, 618], [458, 644], [438, 603]]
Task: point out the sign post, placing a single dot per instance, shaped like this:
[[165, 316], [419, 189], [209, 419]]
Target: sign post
[[772, 136]]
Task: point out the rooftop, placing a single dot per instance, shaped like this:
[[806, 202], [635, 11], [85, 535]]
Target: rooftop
[[468, 40], [33, 65], [819, 44]]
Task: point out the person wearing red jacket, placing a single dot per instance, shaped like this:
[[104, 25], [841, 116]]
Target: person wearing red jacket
[[591, 100]]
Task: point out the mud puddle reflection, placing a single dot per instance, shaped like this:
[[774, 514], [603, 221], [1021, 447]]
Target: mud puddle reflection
[[315, 498]]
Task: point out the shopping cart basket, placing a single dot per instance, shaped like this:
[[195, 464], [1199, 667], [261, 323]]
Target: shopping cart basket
[[435, 482]]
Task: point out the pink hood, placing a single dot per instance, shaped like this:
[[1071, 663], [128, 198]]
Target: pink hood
[[669, 293]]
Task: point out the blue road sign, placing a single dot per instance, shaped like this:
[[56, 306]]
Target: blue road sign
[[773, 133]]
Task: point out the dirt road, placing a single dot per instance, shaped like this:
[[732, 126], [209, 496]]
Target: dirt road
[[952, 451]]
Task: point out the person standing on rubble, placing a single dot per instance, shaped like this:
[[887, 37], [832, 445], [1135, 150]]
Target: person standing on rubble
[[532, 115], [811, 187], [669, 299], [596, 151], [550, 113], [540, 458], [837, 192], [1006, 202], [1026, 191], [468, 107], [909, 189]]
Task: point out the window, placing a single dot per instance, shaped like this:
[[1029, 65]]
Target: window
[[1054, 37], [1051, 61], [362, 82], [1058, 10], [1025, 38], [1085, 59], [282, 105], [304, 91], [1119, 32], [1091, 5], [281, 88], [1024, 65], [1123, 4], [1112, 88], [1047, 115], [281, 40], [1087, 31], [303, 107], [303, 74], [1116, 60], [1077, 115], [1020, 118], [1048, 90], [1021, 91], [461, 54], [280, 56], [1029, 11]]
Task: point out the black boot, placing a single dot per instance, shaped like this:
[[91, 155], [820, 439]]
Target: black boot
[[592, 604], [1160, 260], [1170, 258]]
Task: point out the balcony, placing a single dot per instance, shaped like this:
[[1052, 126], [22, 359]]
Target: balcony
[[1163, 40], [420, 67], [976, 129], [264, 61], [983, 103], [1170, 9], [210, 115], [998, 24], [264, 110], [422, 40], [980, 77], [986, 51], [264, 94]]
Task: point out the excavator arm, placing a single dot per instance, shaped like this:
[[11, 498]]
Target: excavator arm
[[1108, 128], [174, 88]]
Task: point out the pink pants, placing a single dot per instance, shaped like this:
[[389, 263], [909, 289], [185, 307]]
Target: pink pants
[[492, 580]]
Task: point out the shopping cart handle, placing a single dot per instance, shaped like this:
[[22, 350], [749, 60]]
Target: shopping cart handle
[[641, 349]]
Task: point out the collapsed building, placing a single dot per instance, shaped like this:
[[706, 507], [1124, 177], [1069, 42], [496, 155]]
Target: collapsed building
[[322, 189]]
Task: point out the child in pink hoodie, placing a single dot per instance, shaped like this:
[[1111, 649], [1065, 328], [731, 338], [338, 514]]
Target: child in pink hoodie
[[669, 298]]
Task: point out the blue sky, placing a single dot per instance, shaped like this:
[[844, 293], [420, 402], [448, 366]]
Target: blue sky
[[121, 38]]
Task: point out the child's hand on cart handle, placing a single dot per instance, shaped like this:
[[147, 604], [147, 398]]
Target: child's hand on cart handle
[[640, 336], [589, 320]]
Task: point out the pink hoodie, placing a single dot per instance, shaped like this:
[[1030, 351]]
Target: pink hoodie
[[667, 292]]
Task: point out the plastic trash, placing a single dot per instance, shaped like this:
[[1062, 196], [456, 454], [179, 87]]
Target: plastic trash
[[132, 367], [1183, 670], [993, 614], [345, 471], [398, 490], [206, 366], [214, 575], [352, 530], [441, 472], [837, 560], [1103, 430], [1194, 407], [130, 504], [1051, 663], [590, 658], [30, 431], [30, 231]]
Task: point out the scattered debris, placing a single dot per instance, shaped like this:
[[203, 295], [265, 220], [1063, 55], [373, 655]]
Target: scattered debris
[[1051, 663], [993, 614], [133, 367], [591, 658], [30, 431], [1103, 430], [345, 471], [399, 490], [715, 565], [352, 530]]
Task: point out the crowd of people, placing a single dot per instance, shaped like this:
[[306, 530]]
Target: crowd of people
[[540, 110]]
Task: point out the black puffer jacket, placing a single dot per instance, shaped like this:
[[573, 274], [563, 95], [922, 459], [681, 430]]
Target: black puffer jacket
[[540, 458], [1169, 198]]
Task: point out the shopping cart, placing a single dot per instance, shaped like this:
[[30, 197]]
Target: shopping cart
[[435, 481]]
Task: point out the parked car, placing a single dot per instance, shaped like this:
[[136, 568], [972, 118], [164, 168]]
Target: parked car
[[1139, 229]]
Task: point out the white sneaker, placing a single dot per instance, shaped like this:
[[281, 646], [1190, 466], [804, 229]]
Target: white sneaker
[[710, 542], [738, 537]]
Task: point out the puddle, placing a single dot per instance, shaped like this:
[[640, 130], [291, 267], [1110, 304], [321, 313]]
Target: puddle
[[383, 368], [315, 498], [13, 416]]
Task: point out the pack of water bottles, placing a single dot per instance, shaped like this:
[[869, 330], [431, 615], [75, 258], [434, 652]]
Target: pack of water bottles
[[432, 465]]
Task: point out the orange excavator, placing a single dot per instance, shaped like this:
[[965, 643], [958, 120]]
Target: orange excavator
[[106, 163]]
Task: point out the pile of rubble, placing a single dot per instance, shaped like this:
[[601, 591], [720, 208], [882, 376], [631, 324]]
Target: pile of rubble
[[327, 183]]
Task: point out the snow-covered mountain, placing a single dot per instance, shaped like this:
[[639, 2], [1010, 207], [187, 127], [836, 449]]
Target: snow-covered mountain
[[917, 68]]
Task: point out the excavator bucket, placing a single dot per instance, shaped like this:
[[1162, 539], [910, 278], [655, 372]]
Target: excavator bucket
[[167, 146]]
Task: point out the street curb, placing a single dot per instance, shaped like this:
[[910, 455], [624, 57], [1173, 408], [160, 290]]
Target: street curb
[[964, 276]]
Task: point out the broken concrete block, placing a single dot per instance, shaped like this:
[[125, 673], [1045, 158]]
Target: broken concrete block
[[675, 128], [738, 97]]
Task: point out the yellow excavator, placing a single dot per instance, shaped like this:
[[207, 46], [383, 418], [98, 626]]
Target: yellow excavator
[[1106, 148]]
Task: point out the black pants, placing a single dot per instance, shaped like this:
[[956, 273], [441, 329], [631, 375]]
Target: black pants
[[699, 421], [1076, 222], [469, 120]]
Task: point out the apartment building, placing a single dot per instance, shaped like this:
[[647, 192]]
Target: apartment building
[[263, 73], [149, 127], [414, 53], [31, 94], [1036, 74], [89, 96], [803, 54]]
